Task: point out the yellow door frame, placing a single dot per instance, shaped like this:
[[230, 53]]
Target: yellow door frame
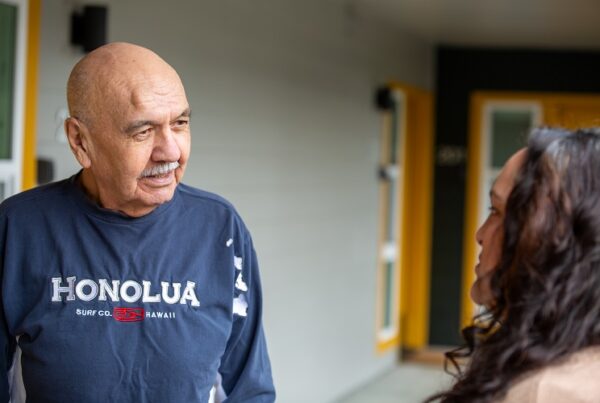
[[416, 198], [557, 109], [31, 90]]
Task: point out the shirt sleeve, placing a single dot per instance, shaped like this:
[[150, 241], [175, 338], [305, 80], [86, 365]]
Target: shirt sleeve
[[245, 367]]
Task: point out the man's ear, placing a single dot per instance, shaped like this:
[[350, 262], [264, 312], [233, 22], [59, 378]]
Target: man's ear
[[78, 141]]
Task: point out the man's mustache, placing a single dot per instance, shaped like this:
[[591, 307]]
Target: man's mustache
[[160, 169]]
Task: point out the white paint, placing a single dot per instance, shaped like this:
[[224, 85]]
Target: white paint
[[389, 251], [240, 306], [392, 171], [229, 242], [489, 172]]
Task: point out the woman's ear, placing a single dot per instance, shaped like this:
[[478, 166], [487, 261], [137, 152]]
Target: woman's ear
[[77, 135]]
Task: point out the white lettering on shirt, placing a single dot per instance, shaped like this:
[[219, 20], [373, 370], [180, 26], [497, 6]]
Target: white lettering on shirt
[[129, 291]]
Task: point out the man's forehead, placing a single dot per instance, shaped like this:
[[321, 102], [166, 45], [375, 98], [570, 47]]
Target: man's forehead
[[140, 90], [144, 97]]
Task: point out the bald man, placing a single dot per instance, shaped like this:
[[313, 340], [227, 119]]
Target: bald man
[[121, 284]]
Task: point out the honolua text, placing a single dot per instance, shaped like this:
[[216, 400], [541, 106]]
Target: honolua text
[[129, 291]]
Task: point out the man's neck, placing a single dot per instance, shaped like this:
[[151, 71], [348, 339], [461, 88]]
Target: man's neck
[[92, 191]]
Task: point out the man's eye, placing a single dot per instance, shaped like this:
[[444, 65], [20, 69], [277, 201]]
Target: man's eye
[[142, 135], [181, 122]]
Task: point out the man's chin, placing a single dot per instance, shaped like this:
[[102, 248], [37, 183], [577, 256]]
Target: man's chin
[[161, 197], [154, 197]]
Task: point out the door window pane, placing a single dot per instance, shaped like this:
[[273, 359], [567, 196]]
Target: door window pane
[[509, 131]]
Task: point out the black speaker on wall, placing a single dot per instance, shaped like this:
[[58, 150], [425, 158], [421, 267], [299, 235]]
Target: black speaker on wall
[[384, 100], [88, 27]]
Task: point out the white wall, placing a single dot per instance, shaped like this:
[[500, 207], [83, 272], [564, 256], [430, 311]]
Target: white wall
[[284, 127]]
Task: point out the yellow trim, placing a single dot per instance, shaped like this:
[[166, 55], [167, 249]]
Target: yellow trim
[[401, 199], [408, 88], [562, 109], [471, 207], [416, 229], [384, 346], [416, 211], [29, 139]]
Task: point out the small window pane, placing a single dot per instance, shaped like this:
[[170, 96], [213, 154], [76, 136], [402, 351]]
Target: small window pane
[[395, 143], [388, 297], [8, 26], [509, 132]]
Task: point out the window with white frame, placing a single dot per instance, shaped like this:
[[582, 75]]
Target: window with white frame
[[13, 20]]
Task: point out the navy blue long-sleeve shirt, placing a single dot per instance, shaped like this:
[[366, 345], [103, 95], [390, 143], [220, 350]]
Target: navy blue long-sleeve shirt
[[109, 308]]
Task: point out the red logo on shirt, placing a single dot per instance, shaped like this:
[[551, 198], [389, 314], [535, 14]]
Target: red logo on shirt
[[128, 314]]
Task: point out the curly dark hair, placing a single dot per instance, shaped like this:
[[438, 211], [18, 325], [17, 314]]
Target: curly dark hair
[[546, 287]]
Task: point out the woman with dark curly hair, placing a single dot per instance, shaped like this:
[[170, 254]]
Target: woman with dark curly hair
[[539, 277]]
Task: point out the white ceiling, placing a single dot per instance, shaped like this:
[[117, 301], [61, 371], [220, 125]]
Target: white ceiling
[[517, 23]]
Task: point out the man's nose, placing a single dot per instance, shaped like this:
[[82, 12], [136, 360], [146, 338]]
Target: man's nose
[[166, 147]]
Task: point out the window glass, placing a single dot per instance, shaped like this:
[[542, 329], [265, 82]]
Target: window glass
[[389, 249], [509, 131], [8, 24]]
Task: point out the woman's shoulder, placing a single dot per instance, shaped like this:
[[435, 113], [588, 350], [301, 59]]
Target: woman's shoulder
[[572, 380]]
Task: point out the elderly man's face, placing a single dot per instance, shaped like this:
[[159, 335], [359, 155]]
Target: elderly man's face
[[491, 234], [139, 144]]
